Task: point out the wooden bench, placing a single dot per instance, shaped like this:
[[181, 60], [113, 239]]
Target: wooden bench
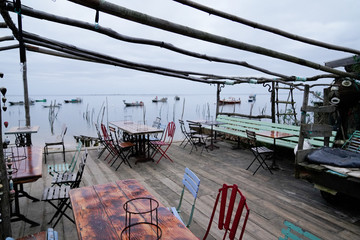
[[237, 126]]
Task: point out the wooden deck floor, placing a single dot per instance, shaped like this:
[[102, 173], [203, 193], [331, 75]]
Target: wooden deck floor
[[271, 198]]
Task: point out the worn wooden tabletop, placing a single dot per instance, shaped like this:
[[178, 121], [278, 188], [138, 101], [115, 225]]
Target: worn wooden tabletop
[[29, 168], [136, 128], [99, 213]]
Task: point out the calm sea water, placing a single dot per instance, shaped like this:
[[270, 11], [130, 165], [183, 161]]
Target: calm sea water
[[80, 117]]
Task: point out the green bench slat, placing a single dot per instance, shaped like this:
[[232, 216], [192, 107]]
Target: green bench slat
[[238, 126]]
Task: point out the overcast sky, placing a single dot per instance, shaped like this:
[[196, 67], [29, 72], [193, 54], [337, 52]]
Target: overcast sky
[[330, 21]]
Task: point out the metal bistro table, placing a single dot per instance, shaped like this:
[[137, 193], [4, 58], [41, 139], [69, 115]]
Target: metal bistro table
[[210, 123], [20, 134], [141, 133], [99, 213], [274, 135], [26, 170]]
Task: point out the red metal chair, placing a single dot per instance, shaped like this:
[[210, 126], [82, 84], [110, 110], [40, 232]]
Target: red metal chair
[[109, 144], [225, 216], [163, 145]]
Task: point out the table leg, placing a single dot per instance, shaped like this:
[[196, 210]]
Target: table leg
[[16, 215], [212, 146], [274, 165]]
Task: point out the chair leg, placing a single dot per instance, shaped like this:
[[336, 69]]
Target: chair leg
[[45, 153], [64, 151]]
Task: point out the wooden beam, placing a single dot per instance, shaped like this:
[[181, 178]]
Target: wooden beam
[[148, 20], [113, 34], [6, 38], [276, 31], [3, 25], [9, 47], [343, 62]]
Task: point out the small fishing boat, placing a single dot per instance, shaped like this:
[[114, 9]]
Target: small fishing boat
[[133, 104], [156, 99], [177, 98], [40, 100], [252, 98], [74, 100], [31, 102], [230, 100]]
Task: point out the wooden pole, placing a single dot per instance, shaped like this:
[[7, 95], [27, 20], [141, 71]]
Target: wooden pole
[[218, 90], [148, 20], [5, 225], [276, 31], [273, 102], [303, 117]]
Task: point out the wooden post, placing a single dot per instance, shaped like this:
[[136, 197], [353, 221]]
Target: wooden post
[[273, 102], [218, 90], [303, 117], [24, 70], [5, 225]]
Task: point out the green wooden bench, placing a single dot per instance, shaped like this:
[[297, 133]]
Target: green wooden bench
[[237, 126]]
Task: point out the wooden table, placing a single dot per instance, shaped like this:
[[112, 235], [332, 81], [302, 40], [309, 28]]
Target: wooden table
[[26, 170], [20, 134], [274, 135], [141, 133], [99, 213]]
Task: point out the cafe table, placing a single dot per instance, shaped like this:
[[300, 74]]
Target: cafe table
[[274, 135], [141, 133], [20, 134], [99, 213], [210, 123], [25, 170]]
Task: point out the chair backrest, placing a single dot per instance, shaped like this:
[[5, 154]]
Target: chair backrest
[[291, 231], [353, 143], [104, 132], [226, 221], [98, 131], [191, 182], [157, 122], [80, 171], [75, 157], [63, 132], [251, 136], [169, 133], [182, 127]]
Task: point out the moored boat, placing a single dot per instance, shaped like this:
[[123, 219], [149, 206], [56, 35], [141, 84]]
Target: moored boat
[[31, 102], [40, 100], [230, 100], [133, 104], [156, 99], [252, 98], [177, 98], [74, 100]]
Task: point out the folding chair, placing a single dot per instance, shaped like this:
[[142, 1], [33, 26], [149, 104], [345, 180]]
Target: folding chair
[[261, 153], [101, 140], [225, 216], [59, 140], [109, 143], [163, 145], [64, 167], [191, 183], [197, 137], [60, 194], [123, 148], [186, 133]]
